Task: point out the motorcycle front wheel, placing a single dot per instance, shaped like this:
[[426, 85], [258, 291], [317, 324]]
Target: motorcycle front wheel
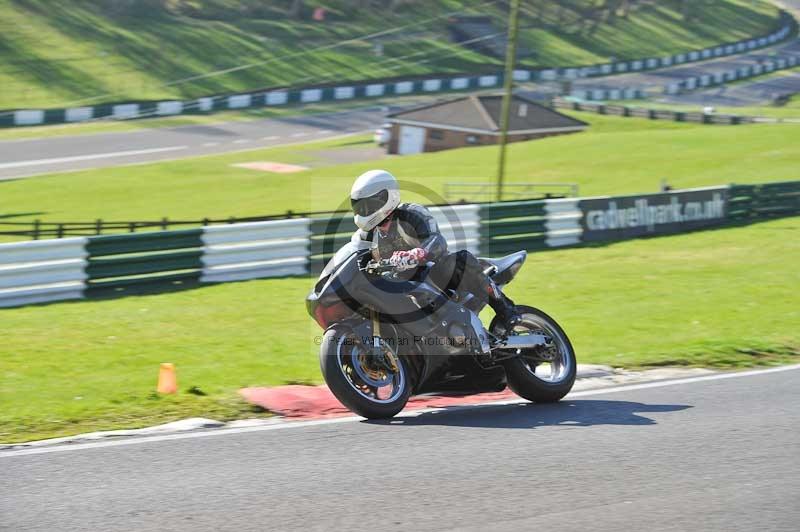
[[358, 382], [544, 375]]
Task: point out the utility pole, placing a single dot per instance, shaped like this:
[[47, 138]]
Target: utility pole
[[505, 112]]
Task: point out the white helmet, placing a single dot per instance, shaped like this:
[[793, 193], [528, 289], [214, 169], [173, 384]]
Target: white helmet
[[374, 195]]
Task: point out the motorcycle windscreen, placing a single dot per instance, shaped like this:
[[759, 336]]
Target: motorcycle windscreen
[[342, 255]]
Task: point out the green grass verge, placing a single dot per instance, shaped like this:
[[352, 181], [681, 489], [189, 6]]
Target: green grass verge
[[715, 298], [616, 155], [56, 53]]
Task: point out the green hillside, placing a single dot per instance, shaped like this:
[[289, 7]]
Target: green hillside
[[63, 53]]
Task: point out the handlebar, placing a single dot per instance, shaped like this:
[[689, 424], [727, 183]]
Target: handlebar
[[384, 266]]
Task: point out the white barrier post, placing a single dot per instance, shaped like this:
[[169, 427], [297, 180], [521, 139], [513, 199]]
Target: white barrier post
[[254, 250], [41, 271], [563, 222]]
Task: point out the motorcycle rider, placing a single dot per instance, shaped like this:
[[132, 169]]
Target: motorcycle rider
[[407, 234]]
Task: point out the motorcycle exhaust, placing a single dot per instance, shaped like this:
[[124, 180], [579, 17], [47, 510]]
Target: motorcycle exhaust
[[524, 341]]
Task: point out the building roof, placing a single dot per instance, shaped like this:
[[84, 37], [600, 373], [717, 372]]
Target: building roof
[[482, 114]]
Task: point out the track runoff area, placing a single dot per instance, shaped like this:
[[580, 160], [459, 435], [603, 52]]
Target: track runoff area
[[295, 425]]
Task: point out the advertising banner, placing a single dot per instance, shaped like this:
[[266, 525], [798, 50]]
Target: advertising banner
[[622, 217]]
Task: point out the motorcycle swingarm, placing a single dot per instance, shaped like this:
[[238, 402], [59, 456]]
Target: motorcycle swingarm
[[525, 341]]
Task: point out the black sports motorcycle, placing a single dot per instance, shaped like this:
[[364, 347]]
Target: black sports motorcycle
[[388, 337]]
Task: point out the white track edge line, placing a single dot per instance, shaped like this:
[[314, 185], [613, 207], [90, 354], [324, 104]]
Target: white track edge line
[[89, 157], [154, 161], [349, 419]]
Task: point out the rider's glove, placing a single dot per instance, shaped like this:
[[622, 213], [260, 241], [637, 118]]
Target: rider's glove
[[406, 260], [418, 254]]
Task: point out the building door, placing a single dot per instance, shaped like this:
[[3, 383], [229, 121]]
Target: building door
[[412, 140]]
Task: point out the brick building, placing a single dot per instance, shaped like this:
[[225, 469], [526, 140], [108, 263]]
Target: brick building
[[473, 121]]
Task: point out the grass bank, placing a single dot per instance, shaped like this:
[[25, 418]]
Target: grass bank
[[719, 298], [54, 54]]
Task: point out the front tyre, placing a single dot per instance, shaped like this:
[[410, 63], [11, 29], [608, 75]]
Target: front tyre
[[544, 375], [362, 386]]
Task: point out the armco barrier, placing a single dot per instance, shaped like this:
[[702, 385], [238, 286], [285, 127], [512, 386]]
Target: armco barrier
[[391, 87], [659, 114], [510, 226], [770, 199], [625, 93], [139, 260], [255, 250], [460, 225], [70, 268], [738, 74], [42, 271], [327, 235], [563, 222], [235, 252], [531, 225]]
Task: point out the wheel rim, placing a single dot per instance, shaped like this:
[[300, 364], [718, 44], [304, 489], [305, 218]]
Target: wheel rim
[[553, 363], [375, 384]]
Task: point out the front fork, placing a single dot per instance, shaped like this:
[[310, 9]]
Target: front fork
[[384, 358]]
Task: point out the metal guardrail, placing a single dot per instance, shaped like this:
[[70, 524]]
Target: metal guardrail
[[758, 201], [655, 114], [38, 229], [343, 220], [98, 266], [255, 250], [39, 272]]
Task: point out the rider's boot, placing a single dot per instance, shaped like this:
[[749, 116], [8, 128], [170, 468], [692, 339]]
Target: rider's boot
[[502, 306]]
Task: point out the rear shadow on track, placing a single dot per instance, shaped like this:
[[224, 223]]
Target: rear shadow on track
[[530, 416]]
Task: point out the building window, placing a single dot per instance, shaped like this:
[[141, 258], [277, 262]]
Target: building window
[[472, 139], [435, 134]]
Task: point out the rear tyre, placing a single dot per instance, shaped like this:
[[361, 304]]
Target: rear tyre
[[528, 375], [351, 374]]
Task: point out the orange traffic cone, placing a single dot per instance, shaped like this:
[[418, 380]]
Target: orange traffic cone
[[167, 379]]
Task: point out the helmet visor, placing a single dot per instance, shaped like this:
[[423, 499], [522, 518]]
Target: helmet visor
[[371, 204]]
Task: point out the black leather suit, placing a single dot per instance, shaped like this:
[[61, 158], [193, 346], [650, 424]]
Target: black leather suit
[[413, 226]]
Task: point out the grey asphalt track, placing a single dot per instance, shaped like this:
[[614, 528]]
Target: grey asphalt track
[[655, 81], [758, 91], [761, 91], [24, 158], [708, 455]]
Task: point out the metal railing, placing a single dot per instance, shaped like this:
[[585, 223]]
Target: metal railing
[[482, 192], [38, 229]]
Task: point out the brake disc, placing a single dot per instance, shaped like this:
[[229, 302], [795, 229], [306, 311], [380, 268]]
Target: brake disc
[[367, 372]]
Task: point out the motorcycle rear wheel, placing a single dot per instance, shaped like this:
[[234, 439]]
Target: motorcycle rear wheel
[[368, 391], [521, 371]]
